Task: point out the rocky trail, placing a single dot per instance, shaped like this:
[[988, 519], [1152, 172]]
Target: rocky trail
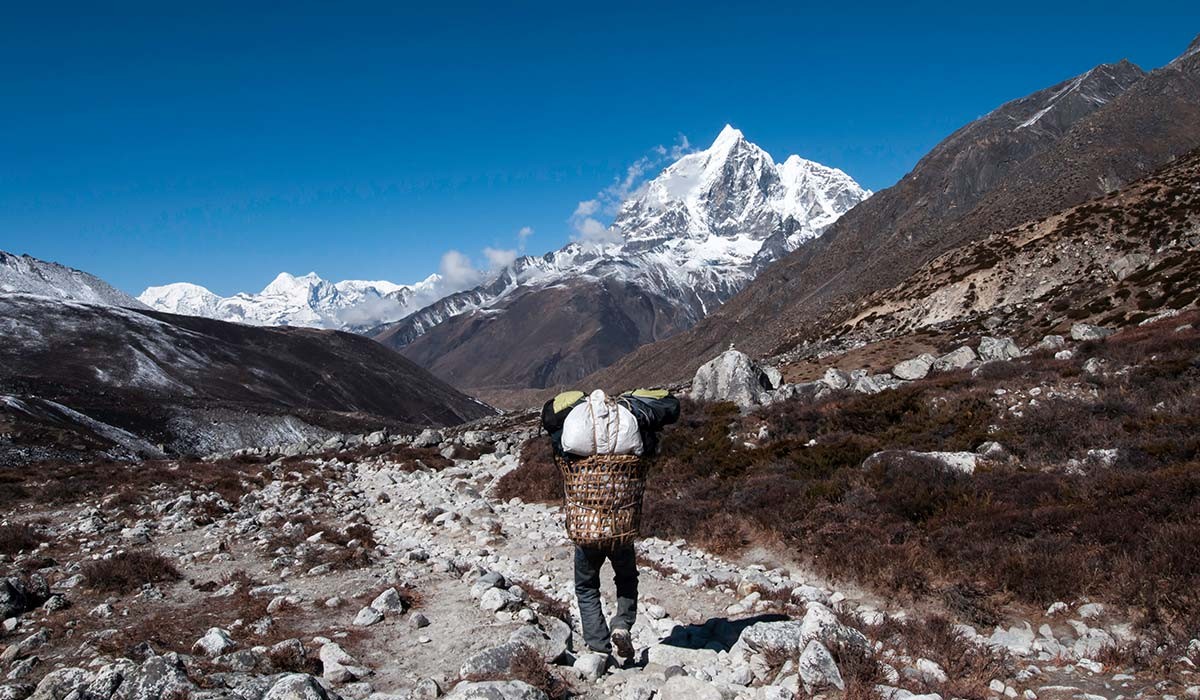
[[385, 567]]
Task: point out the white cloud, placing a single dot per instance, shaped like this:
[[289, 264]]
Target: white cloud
[[458, 272], [522, 236], [498, 258], [588, 227]]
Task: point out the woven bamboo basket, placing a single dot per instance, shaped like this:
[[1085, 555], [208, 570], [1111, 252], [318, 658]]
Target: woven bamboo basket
[[603, 499]]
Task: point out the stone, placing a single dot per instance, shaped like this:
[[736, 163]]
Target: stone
[[157, 677], [773, 376], [1126, 265], [591, 666], [688, 688], [214, 643], [916, 368], [993, 450], [338, 666], [955, 359], [667, 655], [418, 620], [1051, 343], [428, 438], [1017, 640], [551, 647], [495, 660], [961, 462], [388, 602], [376, 438], [296, 686], [1093, 365], [59, 683], [495, 690], [496, 599], [426, 689], [1087, 331], [835, 378], [367, 616], [731, 376], [817, 668], [998, 349]]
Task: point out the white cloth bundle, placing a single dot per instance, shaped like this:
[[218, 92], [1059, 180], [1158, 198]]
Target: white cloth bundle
[[601, 426]]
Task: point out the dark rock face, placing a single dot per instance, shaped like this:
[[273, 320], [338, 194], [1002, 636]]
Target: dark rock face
[[147, 377], [1028, 159]]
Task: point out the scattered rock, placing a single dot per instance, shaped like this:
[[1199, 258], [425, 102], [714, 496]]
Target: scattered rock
[[591, 666], [961, 462], [688, 688]]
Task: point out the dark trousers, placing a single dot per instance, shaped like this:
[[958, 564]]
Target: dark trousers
[[587, 590]]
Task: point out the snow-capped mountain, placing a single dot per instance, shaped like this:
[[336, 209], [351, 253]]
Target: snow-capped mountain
[[686, 241], [695, 234], [307, 301], [22, 274]]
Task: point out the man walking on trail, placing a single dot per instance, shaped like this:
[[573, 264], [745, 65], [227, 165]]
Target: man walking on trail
[[602, 445]]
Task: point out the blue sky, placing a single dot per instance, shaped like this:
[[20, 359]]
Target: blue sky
[[220, 143]]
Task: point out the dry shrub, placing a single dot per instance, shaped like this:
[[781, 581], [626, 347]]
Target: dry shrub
[[129, 571], [529, 666], [537, 478], [19, 537], [909, 526], [969, 667], [546, 603]]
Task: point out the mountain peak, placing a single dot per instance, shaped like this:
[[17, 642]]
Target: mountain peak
[[287, 283], [727, 138]]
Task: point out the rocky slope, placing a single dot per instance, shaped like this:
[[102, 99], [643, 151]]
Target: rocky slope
[[1026, 160], [1118, 259], [677, 249], [27, 275], [193, 385]]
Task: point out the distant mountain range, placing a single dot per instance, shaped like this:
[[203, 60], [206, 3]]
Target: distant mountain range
[[306, 301]]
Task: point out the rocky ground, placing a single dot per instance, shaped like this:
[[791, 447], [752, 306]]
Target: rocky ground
[[385, 566]]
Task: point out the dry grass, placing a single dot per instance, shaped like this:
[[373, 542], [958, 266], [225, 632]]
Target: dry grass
[[129, 571]]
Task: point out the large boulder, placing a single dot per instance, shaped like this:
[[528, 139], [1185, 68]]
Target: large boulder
[[959, 358], [792, 636], [817, 668], [916, 368], [157, 677], [495, 660], [998, 349], [732, 376], [551, 638], [296, 686], [961, 462]]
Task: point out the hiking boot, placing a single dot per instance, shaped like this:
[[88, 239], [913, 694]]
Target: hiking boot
[[622, 643]]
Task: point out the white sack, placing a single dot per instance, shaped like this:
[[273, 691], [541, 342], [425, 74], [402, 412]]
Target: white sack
[[600, 425]]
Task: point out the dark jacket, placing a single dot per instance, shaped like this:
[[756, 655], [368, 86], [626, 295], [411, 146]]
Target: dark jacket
[[653, 408]]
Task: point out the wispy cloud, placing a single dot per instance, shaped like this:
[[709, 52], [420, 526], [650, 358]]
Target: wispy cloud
[[585, 222]]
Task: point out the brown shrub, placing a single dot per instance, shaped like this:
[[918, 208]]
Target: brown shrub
[[19, 537], [128, 571], [537, 478]]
